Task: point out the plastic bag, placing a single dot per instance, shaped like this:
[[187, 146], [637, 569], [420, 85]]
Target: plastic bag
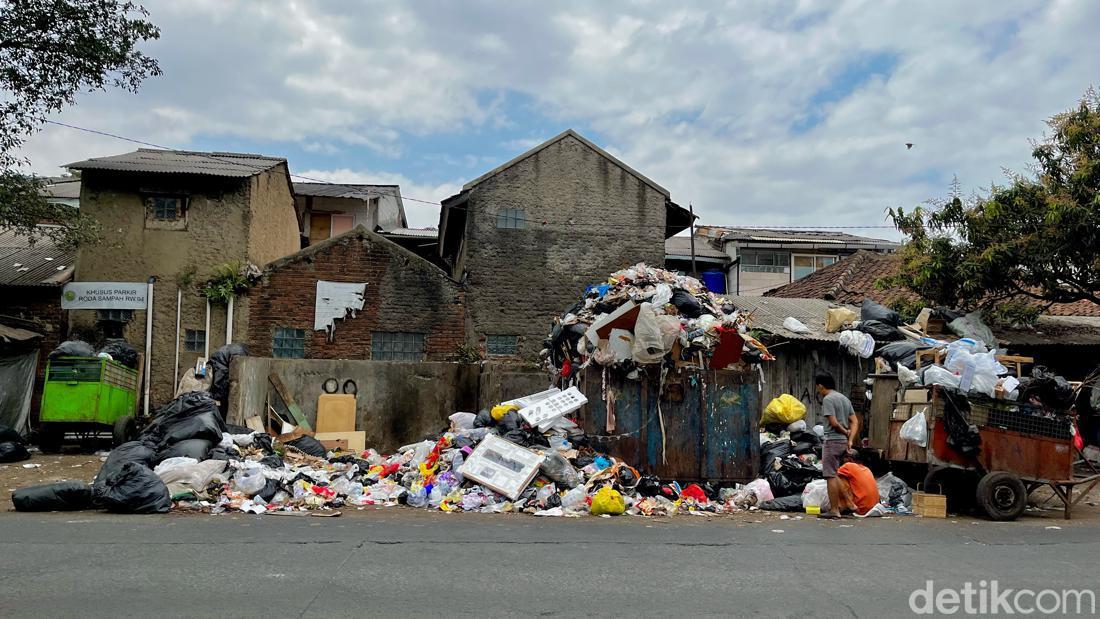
[[893, 492], [795, 325], [870, 310], [250, 479], [663, 296], [121, 351], [937, 375], [901, 353], [836, 317], [134, 489], [73, 348], [558, 469], [650, 344], [309, 445], [608, 501], [462, 421], [197, 448], [195, 476], [791, 503], [798, 426], [786, 409], [816, 494], [761, 488], [906, 376], [11, 451], [56, 497], [880, 331], [971, 326], [133, 451], [915, 430], [857, 343], [687, 304]]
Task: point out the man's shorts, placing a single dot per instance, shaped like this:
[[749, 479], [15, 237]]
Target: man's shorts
[[831, 453]]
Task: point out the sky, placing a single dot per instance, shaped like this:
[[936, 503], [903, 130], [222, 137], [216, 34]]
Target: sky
[[757, 113]]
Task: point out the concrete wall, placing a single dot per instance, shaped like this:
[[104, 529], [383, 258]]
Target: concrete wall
[[398, 403], [519, 280], [404, 293], [272, 223]]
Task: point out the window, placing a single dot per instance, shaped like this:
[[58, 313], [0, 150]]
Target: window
[[804, 265], [114, 315], [511, 218], [396, 346], [502, 344], [342, 224], [167, 209], [165, 212], [765, 262], [289, 343], [194, 340]]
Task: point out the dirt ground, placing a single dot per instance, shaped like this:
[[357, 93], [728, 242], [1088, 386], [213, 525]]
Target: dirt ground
[[48, 468]]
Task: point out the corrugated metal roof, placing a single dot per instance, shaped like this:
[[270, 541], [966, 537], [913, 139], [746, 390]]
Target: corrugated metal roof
[[40, 264], [761, 235], [768, 314], [1055, 331], [62, 188], [14, 334], [235, 165], [343, 190], [681, 246], [420, 233]]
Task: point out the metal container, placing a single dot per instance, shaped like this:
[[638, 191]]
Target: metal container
[[711, 421]]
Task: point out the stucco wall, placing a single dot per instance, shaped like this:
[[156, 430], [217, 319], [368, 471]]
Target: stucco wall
[[272, 223], [520, 279]]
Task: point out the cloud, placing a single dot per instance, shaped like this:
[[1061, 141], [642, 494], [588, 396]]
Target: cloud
[[785, 113]]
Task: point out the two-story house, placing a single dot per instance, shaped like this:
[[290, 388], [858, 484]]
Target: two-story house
[[173, 216]]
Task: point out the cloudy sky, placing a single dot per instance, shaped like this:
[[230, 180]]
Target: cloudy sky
[[758, 113]]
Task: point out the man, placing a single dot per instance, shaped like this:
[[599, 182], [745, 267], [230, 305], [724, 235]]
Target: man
[[841, 431]]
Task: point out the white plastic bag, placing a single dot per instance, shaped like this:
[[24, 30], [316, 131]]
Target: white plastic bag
[[798, 426], [816, 494], [462, 421], [915, 430], [795, 325], [649, 338], [250, 479], [906, 376], [937, 375], [663, 296], [857, 343], [762, 489]]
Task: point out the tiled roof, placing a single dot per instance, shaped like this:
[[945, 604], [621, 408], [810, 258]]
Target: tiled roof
[[852, 279], [681, 246], [40, 264], [343, 190], [235, 165]]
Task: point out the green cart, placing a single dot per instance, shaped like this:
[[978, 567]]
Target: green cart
[[86, 396]]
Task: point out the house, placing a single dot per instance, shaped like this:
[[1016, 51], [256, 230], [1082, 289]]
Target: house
[[64, 190], [32, 274], [764, 259], [711, 264], [329, 209], [172, 217], [1065, 338], [528, 236], [386, 304]]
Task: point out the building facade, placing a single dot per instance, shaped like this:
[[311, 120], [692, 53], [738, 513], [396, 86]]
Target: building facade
[[530, 235], [173, 217], [326, 210]]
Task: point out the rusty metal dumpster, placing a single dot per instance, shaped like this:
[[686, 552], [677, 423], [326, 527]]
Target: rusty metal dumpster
[[711, 421]]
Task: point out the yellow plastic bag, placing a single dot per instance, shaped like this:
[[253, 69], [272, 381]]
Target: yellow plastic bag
[[785, 409], [608, 501], [500, 410]]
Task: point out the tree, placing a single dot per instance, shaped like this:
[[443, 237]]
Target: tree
[[1035, 241], [51, 51]]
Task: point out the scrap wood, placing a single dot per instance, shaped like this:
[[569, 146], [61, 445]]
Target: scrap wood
[[288, 400]]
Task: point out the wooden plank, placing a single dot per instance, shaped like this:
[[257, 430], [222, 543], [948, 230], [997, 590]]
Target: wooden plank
[[140, 378], [288, 400], [883, 394]]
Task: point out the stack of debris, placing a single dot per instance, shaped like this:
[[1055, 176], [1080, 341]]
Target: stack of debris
[[644, 315]]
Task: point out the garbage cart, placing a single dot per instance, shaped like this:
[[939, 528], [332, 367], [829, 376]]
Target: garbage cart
[[86, 396]]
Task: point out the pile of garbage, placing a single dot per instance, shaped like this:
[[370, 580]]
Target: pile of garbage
[[12, 446], [514, 457], [115, 349], [645, 315]]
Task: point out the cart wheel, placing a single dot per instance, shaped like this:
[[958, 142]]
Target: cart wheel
[[50, 438], [124, 430], [1002, 495]]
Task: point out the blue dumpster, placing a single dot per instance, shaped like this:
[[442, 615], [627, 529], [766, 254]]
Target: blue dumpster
[[711, 421], [715, 281]]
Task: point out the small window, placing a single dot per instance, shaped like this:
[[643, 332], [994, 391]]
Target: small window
[[765, 262], [289, 343], [114, 315], [502, 344], [167, 209], [397, 346], [194, 340], [807, 264], [511, 218]]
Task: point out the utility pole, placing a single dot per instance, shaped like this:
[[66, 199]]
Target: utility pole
[[694, 270]]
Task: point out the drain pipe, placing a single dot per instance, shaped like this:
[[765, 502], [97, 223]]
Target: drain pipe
[[179, 306], [229, 322], [206, 338], [148, 341]]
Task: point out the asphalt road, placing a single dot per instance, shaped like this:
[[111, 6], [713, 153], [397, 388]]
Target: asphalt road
[[394, 562]]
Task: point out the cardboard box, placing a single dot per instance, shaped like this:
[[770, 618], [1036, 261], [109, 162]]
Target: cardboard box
[[353, 441], [335, 412]]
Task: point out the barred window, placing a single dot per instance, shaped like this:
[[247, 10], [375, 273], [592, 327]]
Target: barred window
[[502, 344], [396, 346], [167, 209], [511, 218], [114, 315], [194, 340], [289, 343]]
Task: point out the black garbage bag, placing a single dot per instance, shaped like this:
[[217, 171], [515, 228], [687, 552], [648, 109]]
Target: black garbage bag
[[178, 412], [511, 421], [219, 372], [135, 489], [121, 351], [903, 352], [233, 428], [870, 310], [687, 304], [962, 436], [1052, 390], [309, 445], [484, 419], [61, 496], [9, 435], [73, 348], [792, 477], [881, 331], [271, 486], [648, 485], [805, 442], [275, 462], [222, 453], [197, 448], [11, 451], [263, 441], [132, 451], [770, 451], [792, 503], [208, 425]]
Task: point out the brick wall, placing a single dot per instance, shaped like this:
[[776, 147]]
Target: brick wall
[[404, 293], [587, 217]]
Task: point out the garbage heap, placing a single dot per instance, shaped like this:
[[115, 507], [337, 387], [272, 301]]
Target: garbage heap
[[645, 315], [511, 458]]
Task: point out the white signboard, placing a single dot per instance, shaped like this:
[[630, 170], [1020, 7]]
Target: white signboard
[[501, 465], [104, 295]]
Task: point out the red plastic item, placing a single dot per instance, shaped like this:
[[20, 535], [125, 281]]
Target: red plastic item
[[693, 491]]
